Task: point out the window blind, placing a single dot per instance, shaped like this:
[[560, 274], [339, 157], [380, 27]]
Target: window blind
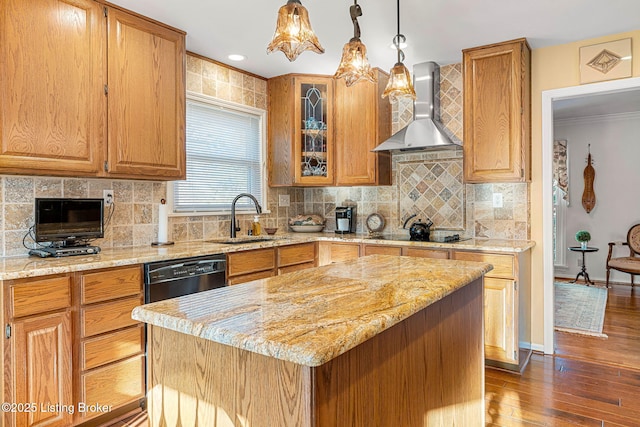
[[224, 153]]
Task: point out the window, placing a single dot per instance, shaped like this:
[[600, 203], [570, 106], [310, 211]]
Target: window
[[224, 157]]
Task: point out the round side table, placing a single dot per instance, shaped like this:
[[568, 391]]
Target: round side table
[[583, 270]]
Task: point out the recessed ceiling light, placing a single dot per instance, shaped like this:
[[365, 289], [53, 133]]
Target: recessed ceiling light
[[236, 57]]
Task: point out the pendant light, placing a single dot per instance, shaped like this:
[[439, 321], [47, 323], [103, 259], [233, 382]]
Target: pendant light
[[354, 65], [400, 84], [293, 32]]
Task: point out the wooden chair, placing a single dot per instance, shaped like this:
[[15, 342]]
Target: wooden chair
[[630, 264]]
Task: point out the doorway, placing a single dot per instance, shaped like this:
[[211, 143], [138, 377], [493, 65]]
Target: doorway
[[549, 99]]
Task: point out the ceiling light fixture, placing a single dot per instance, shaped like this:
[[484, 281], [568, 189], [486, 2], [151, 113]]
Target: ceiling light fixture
[[400, 84], [354, 65], [293, 32], [236, 57]]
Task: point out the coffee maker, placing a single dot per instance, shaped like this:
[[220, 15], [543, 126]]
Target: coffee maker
[[345, 219]]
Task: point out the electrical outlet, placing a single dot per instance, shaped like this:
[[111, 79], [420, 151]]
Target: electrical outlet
[[578, 262], [497, 200], [284, 200], [107, 195]]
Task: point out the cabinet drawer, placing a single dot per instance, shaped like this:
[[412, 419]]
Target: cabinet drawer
[[113, 385], [108, 316], [110, 284], [40, 296], [251, 276], [296, 254], [503, 265], [382, 250], [109, 348], [426, 253], [251, 261]]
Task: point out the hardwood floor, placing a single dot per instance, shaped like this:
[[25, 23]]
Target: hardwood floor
[[589, 382]]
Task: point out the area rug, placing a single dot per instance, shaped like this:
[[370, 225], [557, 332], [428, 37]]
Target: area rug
[[579, 309]]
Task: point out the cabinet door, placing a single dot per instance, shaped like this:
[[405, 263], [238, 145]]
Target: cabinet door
[[52, 77], [41, 368], [313, 139], [146, 112], [426, 253], [329, 252], [497, 144], [500, 320], [362, 121]]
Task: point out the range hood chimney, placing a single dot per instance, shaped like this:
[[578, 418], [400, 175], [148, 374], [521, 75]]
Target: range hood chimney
[[425, 132]]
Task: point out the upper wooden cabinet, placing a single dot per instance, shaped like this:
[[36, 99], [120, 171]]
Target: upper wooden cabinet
[[301, 130], [363, 120], [146, 118], [89, 90], [497, 112], [52, 77], [318, 137]]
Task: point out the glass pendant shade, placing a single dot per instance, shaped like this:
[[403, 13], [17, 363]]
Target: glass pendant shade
[[354, 65], [293, 33], [400, 84]]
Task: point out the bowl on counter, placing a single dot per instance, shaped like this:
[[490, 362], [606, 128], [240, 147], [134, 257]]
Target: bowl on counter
[[271, 230], [307, 228]]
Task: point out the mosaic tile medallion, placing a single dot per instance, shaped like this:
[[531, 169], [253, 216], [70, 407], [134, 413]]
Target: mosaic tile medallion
[[432, 189]]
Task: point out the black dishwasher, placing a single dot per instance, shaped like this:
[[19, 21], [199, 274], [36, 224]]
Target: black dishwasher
[[177, 277]]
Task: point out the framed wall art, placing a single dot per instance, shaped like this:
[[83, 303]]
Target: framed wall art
[[605, 61]]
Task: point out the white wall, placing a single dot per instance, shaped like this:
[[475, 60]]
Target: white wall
[[615, 151]]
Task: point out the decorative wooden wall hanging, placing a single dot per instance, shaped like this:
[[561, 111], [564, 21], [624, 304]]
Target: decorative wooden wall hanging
[[588, 195]]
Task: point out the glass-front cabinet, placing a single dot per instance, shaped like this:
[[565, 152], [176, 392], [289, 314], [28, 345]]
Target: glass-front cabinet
[[313, 144], [301, 131]]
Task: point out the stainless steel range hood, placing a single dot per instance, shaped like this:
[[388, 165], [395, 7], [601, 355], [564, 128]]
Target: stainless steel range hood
[[425, 132]]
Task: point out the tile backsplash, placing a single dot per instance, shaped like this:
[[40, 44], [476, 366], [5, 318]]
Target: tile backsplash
[[427, 183]]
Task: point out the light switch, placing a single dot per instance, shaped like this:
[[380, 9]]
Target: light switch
[[497, 200], [283, 200]]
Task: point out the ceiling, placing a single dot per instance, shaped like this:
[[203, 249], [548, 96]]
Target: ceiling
[[436, 30]]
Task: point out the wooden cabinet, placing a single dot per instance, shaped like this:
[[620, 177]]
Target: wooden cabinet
[[507, 302], [362, 121], [301, 146], [330, 252], [497, 112], [381, 250], [146, 112], [296, 257], [110, 344], [52, 101], [245, 266], [321, 138], [71, 341], [38, 351], [104, 96], [425, 253]]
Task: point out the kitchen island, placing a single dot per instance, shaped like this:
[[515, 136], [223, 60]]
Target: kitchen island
[[378, 341]]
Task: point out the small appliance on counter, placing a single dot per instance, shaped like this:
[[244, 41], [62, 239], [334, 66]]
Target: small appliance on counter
[[345, 219]]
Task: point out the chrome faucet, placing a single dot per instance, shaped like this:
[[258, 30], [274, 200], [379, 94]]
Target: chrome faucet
[[234, 225]]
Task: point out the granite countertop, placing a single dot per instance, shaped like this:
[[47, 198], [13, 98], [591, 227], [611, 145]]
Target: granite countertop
[[312, 316], [30, 266]]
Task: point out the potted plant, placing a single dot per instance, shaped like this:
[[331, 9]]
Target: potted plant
[[583, 237]]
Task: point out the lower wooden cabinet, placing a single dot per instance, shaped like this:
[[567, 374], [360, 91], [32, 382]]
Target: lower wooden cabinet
[[42, 371], [425, 253], [245, 266], [64, 355], [296, 257], [507, 307], [330, 252]]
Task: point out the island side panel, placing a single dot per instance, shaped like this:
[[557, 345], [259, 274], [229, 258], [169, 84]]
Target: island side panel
[[197, 382], [427, 370]]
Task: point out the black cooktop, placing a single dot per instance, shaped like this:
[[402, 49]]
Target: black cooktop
[[451, 238]]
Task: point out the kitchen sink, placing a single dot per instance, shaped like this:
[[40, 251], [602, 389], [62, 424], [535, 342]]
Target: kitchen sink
[[241, 240]]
